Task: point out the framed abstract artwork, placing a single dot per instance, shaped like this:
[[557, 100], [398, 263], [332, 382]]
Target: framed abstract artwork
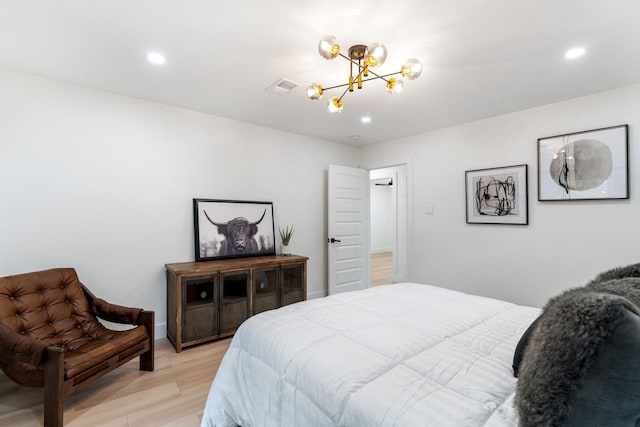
[[588, 165], [232, 229], [497, 195]]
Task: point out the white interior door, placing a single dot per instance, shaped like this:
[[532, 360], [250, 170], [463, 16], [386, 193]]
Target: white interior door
[[348, 240]]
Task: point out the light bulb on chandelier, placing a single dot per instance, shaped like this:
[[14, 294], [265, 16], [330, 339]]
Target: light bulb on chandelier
[[314, 91], [335, 105], [361, 59], [395, 86]]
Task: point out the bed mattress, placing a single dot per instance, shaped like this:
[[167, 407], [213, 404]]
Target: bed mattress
[[395, 355]]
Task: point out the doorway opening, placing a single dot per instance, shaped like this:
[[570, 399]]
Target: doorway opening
[[388, 221]]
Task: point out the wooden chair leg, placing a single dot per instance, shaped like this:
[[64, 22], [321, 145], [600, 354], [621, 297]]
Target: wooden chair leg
[[54, 387], [146, 318]]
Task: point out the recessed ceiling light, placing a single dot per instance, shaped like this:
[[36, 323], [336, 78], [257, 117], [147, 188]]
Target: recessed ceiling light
[[365, 119], [574, 53], [156, 58]]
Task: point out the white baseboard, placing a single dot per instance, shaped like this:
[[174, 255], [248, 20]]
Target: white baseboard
[[317, 294]]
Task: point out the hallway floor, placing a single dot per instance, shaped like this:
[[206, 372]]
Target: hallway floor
[[381, 268]]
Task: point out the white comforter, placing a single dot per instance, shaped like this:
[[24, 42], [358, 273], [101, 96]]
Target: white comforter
[[394, 355]]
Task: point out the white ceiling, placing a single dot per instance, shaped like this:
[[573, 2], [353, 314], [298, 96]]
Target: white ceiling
[[481, 58]]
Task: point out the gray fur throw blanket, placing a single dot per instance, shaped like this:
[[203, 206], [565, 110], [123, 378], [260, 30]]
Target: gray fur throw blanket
[[632, 270], [575, 329]]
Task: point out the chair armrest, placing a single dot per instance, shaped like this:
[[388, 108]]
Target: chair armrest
[[115, 313], [21, 348]]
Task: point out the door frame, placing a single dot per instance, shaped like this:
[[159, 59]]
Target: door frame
[[401, 273]]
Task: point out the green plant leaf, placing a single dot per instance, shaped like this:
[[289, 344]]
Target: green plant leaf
[[285, 235]]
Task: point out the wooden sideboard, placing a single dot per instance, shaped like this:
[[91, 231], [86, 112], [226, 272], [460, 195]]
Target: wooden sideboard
[[209, 300]]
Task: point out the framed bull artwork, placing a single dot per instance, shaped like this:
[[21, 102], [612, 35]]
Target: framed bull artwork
[[232, 229]]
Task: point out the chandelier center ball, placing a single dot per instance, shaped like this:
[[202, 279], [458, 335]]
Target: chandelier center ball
[[356, 52]]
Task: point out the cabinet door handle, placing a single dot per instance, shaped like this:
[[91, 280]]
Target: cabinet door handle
[[333, 240]]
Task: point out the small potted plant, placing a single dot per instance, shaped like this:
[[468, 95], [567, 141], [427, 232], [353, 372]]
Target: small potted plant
[[285, 238]]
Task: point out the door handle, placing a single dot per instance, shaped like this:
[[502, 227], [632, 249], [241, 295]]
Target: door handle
[[333, 240]]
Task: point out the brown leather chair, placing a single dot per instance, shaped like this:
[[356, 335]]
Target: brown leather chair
[[50, 335]]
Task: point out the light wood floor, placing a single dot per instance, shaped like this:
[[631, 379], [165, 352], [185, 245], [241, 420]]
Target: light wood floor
[[172, 395], [381, 268]]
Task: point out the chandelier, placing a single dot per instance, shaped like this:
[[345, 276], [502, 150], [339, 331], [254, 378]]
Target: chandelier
[[362, 58]]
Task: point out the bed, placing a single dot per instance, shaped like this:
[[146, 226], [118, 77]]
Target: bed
[[394, 355]]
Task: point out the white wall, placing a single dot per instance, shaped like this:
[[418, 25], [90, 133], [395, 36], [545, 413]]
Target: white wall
[[104, 183], [565, 243]]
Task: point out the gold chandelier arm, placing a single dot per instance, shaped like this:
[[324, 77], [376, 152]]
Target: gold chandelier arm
[[368, 69], [383, 77], [362, 69], [350, 84], [335, 87], [343, 94], [377, 76]]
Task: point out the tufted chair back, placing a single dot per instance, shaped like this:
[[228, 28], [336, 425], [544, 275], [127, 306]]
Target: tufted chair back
[[50, 335], [50, 306]]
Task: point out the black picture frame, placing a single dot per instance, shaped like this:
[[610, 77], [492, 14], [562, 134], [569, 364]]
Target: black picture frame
[[586, 165], [215, 221], [497, 195]]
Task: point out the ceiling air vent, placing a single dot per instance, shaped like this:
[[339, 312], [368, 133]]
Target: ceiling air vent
[[281, 87]]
